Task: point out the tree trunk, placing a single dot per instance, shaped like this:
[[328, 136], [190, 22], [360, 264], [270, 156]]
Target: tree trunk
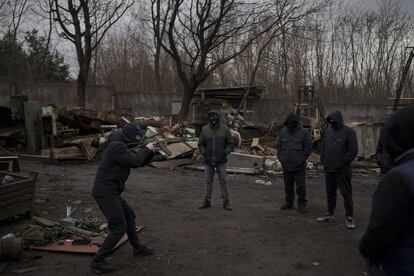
[[185, 105], [81, 85], [157, 57]]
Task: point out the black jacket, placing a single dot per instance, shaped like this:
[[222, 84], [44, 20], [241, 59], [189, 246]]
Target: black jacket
[[115, 165], [389, 238], [294, 146], [339, 146], [215, 142]]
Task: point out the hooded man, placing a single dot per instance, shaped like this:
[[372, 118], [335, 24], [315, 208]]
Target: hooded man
[[293, 149], [388, 242], [110, 181], [215, 143], [338, 149]]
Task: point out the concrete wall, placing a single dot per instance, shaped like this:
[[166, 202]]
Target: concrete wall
[[104, 98], [268, 109], [144, 104], [59, 94]]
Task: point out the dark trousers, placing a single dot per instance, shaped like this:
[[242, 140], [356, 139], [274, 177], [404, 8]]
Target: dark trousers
[[342, 180], [290, 178], [121, 219]]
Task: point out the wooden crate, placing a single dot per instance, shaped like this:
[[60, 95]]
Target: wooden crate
[[17, 197]]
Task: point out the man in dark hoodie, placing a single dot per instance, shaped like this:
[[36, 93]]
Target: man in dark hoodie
[[293, 149], [338, 149], [110, 181], [215, 143], [388, 243]]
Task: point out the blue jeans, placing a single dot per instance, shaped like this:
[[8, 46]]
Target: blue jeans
[[209, 177]]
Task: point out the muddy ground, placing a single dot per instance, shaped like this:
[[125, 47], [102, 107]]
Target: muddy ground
[[256, 238]]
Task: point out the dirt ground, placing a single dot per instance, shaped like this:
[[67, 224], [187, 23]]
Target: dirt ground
[[256, 238]]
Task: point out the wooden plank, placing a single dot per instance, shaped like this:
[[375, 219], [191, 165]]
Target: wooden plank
[[7, 196], [15, 210], [16, 200], [16, 186], [67, 246], [88, 150], [67, 151], [40, 158], [92, 248]]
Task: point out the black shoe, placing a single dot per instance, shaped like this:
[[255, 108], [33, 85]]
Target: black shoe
[[101, 266], [206, 204], [143, 251], [286, 206], [302, 209], [227, 206]]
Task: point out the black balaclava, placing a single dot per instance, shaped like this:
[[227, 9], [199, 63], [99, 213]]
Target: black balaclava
[[292, 121], [213, 118], [334, 123], [132, 133], [292, 124]]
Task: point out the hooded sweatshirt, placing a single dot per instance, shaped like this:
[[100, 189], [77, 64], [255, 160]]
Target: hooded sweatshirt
[[389, 238], [115, 166], [294, 145], [339, 145], [215, 142]]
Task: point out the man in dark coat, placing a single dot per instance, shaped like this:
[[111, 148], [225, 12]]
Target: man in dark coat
[[388, 243], [110, 181], [293, 149], [338, 149], [215, 143]]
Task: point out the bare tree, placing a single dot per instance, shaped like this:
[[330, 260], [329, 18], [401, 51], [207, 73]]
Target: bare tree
[[189, 31], [192, 31], [85, 23]]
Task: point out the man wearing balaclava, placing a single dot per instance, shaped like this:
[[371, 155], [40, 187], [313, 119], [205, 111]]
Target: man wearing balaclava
[[388, 243], [215, 143], [339, 148], [294, 146], [110, 181]]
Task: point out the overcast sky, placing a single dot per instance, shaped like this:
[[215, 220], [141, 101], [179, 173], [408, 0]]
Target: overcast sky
[[68, 50]]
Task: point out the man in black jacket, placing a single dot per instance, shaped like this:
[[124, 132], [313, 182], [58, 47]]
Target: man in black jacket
[[388, 242], [215, 143], [338, 149], [293, 149], [110, 181]]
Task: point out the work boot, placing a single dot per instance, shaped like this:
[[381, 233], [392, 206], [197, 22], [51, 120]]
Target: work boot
[[287, 206], [302, 209], [101, 266], [227, 206], [206, 204], [142, 250]]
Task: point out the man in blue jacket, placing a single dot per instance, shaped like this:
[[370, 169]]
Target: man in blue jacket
[[293, 149], [215, 143], [110, 181], [388, 243], [338, 149]]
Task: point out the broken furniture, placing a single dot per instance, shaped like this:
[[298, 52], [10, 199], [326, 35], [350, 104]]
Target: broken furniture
[[17, 197]]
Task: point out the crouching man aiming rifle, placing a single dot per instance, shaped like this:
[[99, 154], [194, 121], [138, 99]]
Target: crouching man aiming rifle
[[109, 183]]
